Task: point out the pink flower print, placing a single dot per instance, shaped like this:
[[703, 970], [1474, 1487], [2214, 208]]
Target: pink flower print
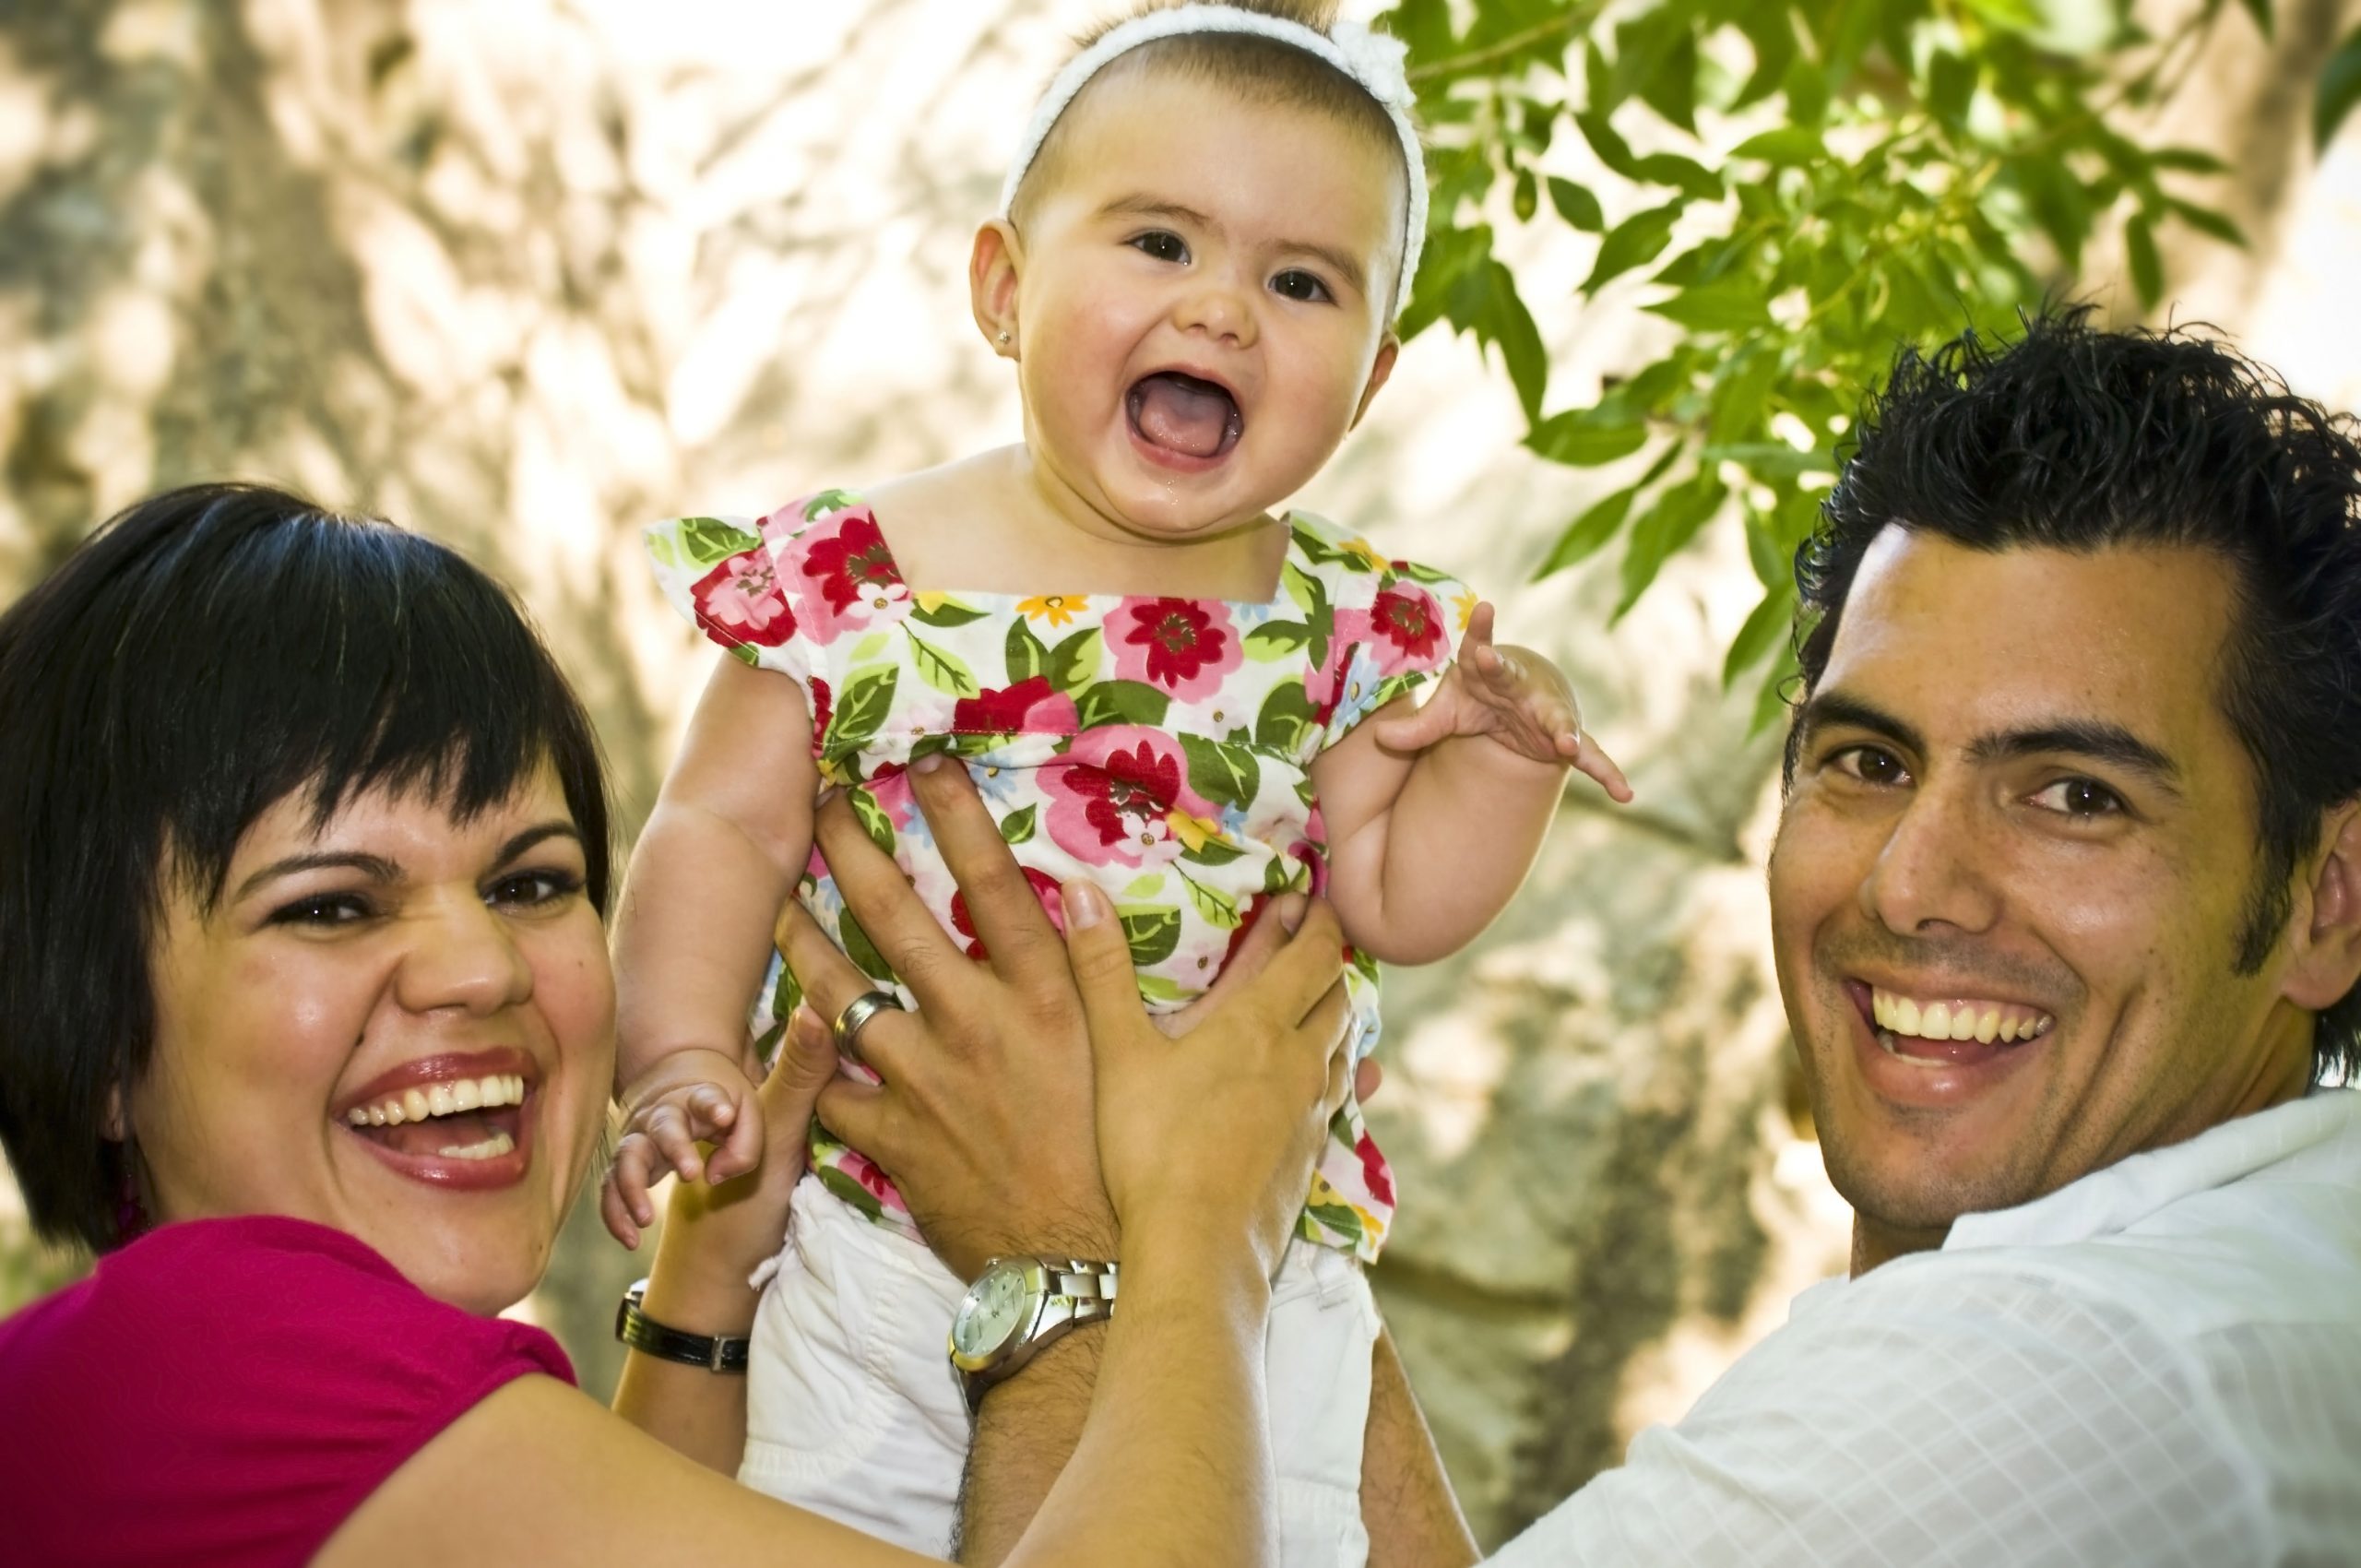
[[852, 571], [823, 708], [1044, 888], [739, 602], [1377, 1177], [1031, 706], [1402, 629], [1112, 796], [1181, 646], [863, 1169]]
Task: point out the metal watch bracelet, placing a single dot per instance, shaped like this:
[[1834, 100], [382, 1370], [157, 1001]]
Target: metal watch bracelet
[[714, 1353]]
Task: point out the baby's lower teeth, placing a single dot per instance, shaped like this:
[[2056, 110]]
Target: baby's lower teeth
[[491, 1148]]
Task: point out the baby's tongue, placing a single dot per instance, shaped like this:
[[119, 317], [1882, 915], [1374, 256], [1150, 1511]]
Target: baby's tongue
[[1182, 413]]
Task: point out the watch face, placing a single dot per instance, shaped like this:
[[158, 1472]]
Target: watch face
[[994, 1310]]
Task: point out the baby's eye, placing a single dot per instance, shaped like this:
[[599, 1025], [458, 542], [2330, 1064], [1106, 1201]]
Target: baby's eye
[[531, 889], [1161, 244], [1297, 284], [2080, 798]]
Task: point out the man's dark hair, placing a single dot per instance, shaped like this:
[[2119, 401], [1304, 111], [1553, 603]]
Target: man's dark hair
[[204, 655], [2076, 439]]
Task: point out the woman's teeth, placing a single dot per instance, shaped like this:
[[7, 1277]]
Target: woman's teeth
[[491, 1148], [2007, 1022], [443, 1099]]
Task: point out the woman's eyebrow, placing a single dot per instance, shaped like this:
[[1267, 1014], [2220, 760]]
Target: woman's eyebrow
[[558, 827], [376, 868]]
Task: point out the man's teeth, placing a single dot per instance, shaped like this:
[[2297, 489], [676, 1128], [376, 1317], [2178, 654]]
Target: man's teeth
[[2007, 1022], [491, 1148], [442, 1099]]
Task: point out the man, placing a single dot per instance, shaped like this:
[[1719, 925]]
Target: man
[[2066, 903]]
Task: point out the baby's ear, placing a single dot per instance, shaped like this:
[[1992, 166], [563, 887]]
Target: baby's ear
[[1381, 368], [995, 267]]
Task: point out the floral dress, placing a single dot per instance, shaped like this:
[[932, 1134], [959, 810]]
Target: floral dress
[[1158, 747]]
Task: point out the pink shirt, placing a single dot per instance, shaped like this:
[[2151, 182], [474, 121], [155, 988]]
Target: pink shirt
[[228, 1391]]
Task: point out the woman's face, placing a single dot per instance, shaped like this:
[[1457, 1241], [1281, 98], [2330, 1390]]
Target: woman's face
[[396, 1023]]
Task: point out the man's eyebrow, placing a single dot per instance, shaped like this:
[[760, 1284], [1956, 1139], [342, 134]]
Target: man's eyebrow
[[2094, 739], [1832, 709], [1337, 261]]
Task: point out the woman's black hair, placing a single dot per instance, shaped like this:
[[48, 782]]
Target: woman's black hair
[[2076, 439], [206, 653]]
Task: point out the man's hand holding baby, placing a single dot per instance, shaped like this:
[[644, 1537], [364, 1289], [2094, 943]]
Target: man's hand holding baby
[[1514, 696]]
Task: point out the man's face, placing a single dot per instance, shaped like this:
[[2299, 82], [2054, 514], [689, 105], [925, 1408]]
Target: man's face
[[2018, 809]]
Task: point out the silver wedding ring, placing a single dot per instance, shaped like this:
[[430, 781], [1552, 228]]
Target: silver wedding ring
[[856, 1013]]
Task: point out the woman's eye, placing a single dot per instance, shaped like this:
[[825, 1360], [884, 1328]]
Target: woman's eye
[[531, 888], [2080, 798], [323, 909], [1870, 765], [1297, 284], [1161, 245]]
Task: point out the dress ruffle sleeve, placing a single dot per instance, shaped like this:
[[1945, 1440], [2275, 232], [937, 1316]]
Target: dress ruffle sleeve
[[735, 580], [1395, 626]]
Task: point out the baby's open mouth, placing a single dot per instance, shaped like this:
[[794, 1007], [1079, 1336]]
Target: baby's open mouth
[[463, 1119], [1184, 414]]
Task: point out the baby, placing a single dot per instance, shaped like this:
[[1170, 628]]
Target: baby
[[1161, 681]]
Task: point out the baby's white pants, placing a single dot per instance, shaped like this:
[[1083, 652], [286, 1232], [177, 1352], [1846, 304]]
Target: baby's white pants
[[852, 1409]]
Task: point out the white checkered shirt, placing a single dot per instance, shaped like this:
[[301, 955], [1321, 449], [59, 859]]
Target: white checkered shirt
[[2158, 1364]]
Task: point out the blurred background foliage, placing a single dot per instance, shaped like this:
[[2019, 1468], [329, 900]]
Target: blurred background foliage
[[524, 276], [1829, 180]]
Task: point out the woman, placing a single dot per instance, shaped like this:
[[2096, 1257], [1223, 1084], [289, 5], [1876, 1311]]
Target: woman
[[305, 1025]]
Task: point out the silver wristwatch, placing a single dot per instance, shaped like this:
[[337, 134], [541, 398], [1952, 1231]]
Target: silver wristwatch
[[1016, 1306]]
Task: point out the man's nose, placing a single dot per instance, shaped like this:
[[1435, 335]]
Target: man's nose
[[462, 955], [1933, 872]]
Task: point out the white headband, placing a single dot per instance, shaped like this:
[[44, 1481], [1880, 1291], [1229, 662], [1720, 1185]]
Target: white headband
[[1373, 59]]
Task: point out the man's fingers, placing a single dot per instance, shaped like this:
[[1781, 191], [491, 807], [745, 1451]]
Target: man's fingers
[[1302, 972], [1101, 960], [868, 1117], [1000, 902], [1262, 942], [878, 897], [830, 982]]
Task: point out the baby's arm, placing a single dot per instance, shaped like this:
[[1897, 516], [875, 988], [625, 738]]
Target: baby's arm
[[1434, 814], [721, 852]]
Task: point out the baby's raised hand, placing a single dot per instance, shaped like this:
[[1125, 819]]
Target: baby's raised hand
[[1514, 695], [688, 1098]]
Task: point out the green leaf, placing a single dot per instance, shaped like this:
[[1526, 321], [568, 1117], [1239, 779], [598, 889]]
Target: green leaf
[[1214, 853], [1672, 522], [1218, 908], [1338, 1217], [1274, 640], [1741, 395], [1588, 534], [1576, 205], [1154, 934], [1226, 775], [2205, 220], [2340, 89], [708, 540], [2058, 202], [1772, 31], [946, 672], [1287, 724], [861, 708], [1635, 242], [1608, 143], [874, 819], [2196, 161], [1584, 438], [2260, 11], [1684, 174], [2147, 267], [1733, 304], [1763, 628], [1672, 88], [848, 1191], [1074, 663], [1121, 701], [1509, 324], [950, 612], [1017, 826], [1026, 656], [1526, 200], [1787, 144], [1951, 87]]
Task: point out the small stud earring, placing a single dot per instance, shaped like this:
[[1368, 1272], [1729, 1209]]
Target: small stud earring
[[1004, 339]]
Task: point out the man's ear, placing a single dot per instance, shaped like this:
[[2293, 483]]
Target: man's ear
[[1387, 352], [2326, 958], [995, 267]]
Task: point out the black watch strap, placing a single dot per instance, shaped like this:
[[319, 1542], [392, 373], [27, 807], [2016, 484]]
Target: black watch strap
[[715, 1353]]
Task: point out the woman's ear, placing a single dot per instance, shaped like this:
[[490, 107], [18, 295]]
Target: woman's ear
[[1387, 352], [114, 1125], [995, 267], [2326, 958]]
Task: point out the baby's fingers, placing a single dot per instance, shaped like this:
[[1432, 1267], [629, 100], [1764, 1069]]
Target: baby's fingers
[[742, 1149], [1590, 758], [622, 1198], [669, 1129]]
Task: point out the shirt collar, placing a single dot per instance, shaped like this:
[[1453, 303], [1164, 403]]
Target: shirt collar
[[2128, 1191]]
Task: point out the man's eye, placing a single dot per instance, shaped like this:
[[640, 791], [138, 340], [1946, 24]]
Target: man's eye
[[2080, 798], [1161, 245], [1297, 284], [532, 888], [1870, 765]]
